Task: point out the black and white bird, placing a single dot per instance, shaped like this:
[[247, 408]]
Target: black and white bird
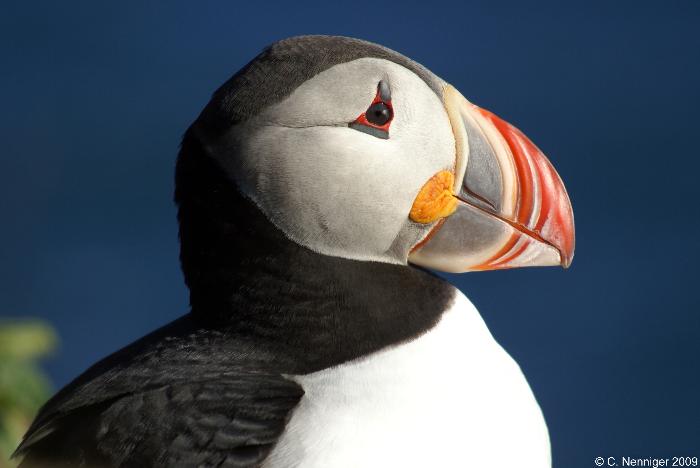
[[314, 191]]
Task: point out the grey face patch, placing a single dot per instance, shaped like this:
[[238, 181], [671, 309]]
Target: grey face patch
[[330, 188]]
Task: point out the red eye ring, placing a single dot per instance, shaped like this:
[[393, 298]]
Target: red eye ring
[[377, 119]]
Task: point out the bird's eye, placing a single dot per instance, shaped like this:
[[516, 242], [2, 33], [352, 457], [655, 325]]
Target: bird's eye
[[378, 116]]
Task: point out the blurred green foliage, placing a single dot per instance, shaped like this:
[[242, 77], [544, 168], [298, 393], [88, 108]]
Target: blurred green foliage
[[23, 386]]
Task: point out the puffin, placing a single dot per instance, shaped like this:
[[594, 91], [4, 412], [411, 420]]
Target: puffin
[[318, 192]]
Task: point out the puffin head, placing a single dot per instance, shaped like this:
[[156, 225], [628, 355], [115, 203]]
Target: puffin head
[[352, 150]]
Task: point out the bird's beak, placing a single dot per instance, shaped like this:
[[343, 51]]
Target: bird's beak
[[502, 206]]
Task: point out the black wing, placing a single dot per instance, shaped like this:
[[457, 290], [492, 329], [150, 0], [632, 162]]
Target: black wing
[[156, 404], [231, 422]]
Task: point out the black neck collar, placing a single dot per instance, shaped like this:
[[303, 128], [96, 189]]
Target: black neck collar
[[247, 278]]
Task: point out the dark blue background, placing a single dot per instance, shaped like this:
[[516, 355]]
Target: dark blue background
[[95, 99]]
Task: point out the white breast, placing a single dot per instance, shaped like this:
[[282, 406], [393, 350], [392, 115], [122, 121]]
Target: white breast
[[450, 398]]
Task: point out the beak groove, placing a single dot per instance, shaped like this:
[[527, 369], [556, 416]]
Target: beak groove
[[543, 210]]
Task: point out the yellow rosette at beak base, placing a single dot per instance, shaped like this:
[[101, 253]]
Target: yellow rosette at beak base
[[435, 199]]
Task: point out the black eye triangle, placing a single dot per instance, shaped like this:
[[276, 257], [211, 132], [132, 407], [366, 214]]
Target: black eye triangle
[[384, 91]]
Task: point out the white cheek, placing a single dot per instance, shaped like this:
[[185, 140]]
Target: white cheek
[[330, 190], [336, 190]]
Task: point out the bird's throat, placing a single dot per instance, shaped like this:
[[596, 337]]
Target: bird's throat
[[247, 277]]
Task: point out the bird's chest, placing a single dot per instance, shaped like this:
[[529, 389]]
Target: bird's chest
[[451, 397]]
